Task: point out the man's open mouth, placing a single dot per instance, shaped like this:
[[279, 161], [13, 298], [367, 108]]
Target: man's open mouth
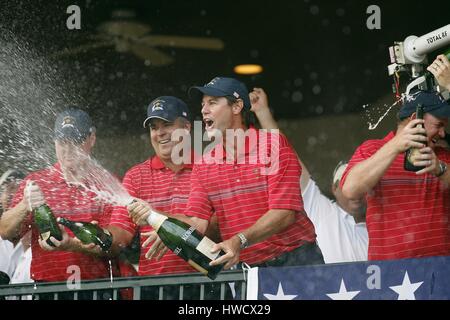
[[208, 123]]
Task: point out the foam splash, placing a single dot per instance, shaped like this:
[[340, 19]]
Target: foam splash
[[374, 124], [106, 187]]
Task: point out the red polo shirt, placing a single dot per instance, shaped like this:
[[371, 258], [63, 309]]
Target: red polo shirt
[[73, 203], [240, 192], [166, 191], [407, 214]]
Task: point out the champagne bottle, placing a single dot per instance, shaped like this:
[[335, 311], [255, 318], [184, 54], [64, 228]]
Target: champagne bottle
[[89, 233], [186, 242], [46, 223], [413, 152]]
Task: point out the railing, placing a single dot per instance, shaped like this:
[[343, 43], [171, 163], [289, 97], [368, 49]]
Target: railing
[[133, 285]]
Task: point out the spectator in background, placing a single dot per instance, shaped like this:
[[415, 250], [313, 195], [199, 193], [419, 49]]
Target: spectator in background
[[58, 186], [340, 225], [9, 259], [408, 212]]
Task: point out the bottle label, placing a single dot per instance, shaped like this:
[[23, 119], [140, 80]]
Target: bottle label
[[45, 235], [205, 247], [198, 267], [413, 154], [156, 220], [188, 233]]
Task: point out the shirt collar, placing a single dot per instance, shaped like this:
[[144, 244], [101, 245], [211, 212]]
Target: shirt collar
[[56, 174], [157, 164], [252, 131]]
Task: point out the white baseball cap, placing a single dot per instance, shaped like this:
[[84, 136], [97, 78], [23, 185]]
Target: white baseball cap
[[339, 171]]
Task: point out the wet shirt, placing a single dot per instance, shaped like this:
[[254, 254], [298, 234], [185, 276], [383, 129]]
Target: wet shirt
[[73, 203], [407, 214], [166, 191], [242, 190]]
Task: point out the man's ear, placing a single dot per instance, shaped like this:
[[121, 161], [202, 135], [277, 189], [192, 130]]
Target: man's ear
[[187, 127], [237, 106], [92, 139], [413, 116], [334, 187]]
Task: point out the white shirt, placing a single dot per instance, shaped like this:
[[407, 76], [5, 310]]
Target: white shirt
[[23, 259], [6, 250], [339, 237], [22, 272]]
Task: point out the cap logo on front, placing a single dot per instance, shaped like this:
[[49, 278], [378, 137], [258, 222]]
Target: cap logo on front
[[212, 82], [158, 105], [68, 121]]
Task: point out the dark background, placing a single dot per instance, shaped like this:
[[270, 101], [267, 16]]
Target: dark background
[[321, 65]]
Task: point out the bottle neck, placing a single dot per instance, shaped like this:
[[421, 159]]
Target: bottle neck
[[156, 219], [65, 222]]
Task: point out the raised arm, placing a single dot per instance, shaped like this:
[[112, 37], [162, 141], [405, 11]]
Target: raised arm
[[260, 106], [12, 220], [440, 68], [363, 177]]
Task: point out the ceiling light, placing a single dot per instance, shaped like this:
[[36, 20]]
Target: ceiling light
[[248, 69]]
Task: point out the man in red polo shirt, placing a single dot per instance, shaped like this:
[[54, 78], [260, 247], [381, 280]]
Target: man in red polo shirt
[[408, 212], [255, 205], [58, 186], [164, 184]]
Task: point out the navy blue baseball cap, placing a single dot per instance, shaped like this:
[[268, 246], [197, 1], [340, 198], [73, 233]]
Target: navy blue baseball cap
[[432, 101], [73, 124], [167, 108], [223, 87]]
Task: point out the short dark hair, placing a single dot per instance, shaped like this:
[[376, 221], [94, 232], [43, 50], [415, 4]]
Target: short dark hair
[[247, 115]]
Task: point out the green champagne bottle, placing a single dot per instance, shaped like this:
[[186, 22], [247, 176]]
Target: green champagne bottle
[[413, 152], [46, 222], [186, 242], [89, 233]]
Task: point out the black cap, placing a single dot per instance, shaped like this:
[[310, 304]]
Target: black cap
[[167, 108], [73, 124], [222, 87], [432, 102]]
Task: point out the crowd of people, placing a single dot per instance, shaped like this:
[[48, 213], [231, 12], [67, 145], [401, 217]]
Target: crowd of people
[[258, 217]]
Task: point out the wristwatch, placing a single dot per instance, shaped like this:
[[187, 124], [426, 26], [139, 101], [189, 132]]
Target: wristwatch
[[243, 239], [442, 168]]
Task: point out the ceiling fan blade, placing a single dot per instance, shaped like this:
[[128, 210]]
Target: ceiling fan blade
[[154, 56], [182, 42], [80, 49], [124, 28]]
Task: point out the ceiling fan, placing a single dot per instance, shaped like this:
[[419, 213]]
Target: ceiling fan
[[128, 35]]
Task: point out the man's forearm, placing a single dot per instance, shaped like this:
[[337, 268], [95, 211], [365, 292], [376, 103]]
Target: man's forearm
[[273, 222], [200, 224], [11, 221], [364, 176], [266, 119]]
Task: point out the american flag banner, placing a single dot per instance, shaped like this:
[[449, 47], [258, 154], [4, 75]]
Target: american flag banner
[[407, 279]]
